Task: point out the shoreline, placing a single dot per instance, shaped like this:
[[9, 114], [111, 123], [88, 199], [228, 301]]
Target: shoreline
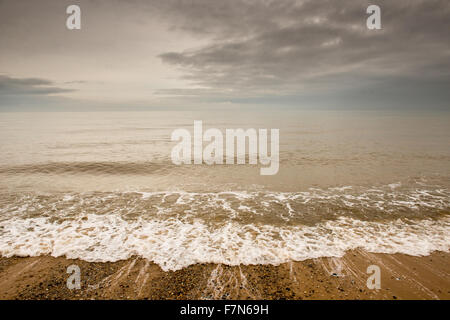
[[402, 277]]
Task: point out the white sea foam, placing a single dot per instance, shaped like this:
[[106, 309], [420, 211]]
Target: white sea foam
[[174, 244], [395, 185], [177, 229]]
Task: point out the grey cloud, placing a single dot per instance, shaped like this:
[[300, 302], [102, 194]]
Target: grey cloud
[[294, 47], [28, 86], [76, 82], [256, 51]]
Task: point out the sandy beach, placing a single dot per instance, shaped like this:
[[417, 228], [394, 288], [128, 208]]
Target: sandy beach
[[402, 277]]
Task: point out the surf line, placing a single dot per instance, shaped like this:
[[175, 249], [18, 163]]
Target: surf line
[[236, 143]]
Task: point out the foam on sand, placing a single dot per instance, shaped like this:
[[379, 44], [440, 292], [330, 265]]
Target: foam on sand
[[173, 244], [177, 229]]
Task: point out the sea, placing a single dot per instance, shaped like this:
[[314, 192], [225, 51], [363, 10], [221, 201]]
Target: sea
[[101, 186]]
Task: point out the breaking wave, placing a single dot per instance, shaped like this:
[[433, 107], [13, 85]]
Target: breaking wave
[[177, 229]]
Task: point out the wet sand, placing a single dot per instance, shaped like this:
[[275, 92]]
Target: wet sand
[[402, 277]]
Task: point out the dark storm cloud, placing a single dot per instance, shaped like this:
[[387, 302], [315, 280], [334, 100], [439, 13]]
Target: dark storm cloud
[[295, 47], [28, 86]]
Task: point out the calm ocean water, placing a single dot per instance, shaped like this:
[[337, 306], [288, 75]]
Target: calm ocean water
[[101, 186]]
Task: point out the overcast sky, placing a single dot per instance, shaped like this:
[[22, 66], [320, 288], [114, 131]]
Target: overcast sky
[[207, 53]]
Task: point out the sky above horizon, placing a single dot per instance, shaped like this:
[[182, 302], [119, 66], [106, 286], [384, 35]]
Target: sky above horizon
[[206, 53]]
